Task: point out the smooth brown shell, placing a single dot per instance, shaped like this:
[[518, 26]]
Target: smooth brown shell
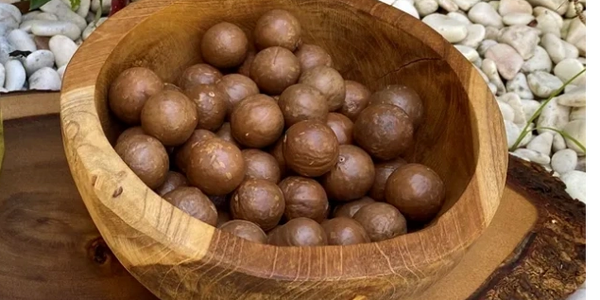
[[417, 191], [349, 209], [277, 152], [302, 232], [170, 117], [199, 74], [224, 45], [304, 197], [302, 102], [383, 171], [246, 230], [382, 221], [193, 202], [146, 157], [129, 132], [357, 99], [216, 167], [129, 92], [261, 165], [404, 97], [224, 133], [310, 148], [277, 27], [345, 231], [173, 181], [182, 153], [352, 176], [237, 87], [257, 121], [329, 82], [258, 201], [211, 105], [244, 69], [274, 69], [384, 131], [342, 126], [311, 56], [171, 87]]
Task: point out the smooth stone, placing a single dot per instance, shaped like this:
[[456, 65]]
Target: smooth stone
[[2, 75], [564, 30], [30, 15], [530, 107], [540, 10], [580, 164], [15, 75], [468, 52], [46, 17], [490, 69], [426, 7], [580, 45], [558, 143], [52, 28], [63, 49], [61, 71], [573, 98], [20, 40], [556, 5], [11, 10], [576, 31], [465, 5], [575, 182], [570, 51], [577, 113], [540, 61], [37, 60], [483, 13], [522, 38], [26, 25], [46, 79], [564, 161], [581, 60], [541, 143], [569, 87], [475, 35], [495, 4], [478, 61], [512, 133], [519, 156], [554, 46], [407, 7], [543, 84], [517, 19], [84, 7], [105, 6], [576, 129], [64, 13], [568, 68], [448, 5], [548, 24], [572, 9], [485, 45], [492, 33], [10, 18], [519, 86], [5, 49], [514, 6], [493, 88], [507, 59], [553, 115], [514, 101], [452, 30], [508, 114], [533, 156], [459, 17]]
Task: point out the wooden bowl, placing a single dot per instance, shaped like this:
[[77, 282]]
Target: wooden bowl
[[179, 257]]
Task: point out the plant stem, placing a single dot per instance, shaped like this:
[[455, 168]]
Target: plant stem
[[565, 135]]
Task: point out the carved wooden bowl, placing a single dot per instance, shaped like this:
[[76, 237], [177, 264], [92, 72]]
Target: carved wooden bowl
[[179, 257]]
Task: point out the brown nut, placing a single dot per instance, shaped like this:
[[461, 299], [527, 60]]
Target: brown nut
[[301, 102], [382, 221], [345, 231], [274, 69], [417, 191], [277, 152], [171, 87], [146, 157], [216, 167], [257, 121], [357, 99], [329, 82], [277, 27], [310, 148], [384, 131], [244, 69], [198, 74], [352, 176], [129, 92], [224, 45], [193, 202], [211, 105], [170, 117], [224, 133], [311, 56], [246, 230], [304, 197], [237, 87], [258, 201], [405, 98], [173, 181], [342, 126], [129, 132], [349, 209], [182, 153], [302, 232], [383, 171], [261, 165]]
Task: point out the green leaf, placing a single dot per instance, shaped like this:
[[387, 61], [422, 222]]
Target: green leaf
[[35, 4], [98, 13], [566, 136], [75, 4]]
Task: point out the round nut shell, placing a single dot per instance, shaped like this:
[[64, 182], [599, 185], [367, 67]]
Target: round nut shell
[[224, 45], [311, 56], [129, 92], [357, 99], [405, 98], [182, 153], [246, 230], [301, 102], [382, 221], [302, 232], [258, 201], [383, 170], [237, 87], [170, 117], [211, 105], [345, 231], [193, 202], [277, 27], [146, 157], [342, 126], [172, 181], [304, 197], [198, 74], [274, 69], [329, 82], [310, 148], [352, 176], [349, 209], [261, 165], [257, 121]]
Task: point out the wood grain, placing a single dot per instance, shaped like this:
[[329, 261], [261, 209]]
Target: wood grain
[[178, 257]]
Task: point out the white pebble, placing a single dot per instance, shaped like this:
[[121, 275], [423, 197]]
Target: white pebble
[[468, 52], [448, 5], [580, 164], [105, 6], [2, 75], [495, 4], [84, 7], [15, 75], [64, 13], [530, 107], [21, 40], [519, 86], [543, 84], [52, 28], [577, 113], [507, 59], [450, 29], [567, 69], [540, 61], [557, 5], [426, 7], [582, 60], [10, 17], [580, 45], [475, 35], [575, 182], [570, 51], [478, 61], [490, 69], [573, 98], [483, 13], [459, 17], [5, 49], [553, 115], [564, 161], [512, 133], [576, 129], [37, 60], [548, 21], [465, 5], [491, 33], [522, 38], [46, 17], [61, 71], [554, 46], [559, 143], [533, 156], [485, 45], [517, 19], [46, 79], [541, 143], [493, 88], [63, 49], [508, 114], [571, 11], [30, 15], [576, 31], [564, 30], [514, 6], [515, 103]]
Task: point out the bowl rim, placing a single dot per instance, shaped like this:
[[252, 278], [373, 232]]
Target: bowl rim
[[94, 163]]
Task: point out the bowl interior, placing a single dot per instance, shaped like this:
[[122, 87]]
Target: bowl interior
[[364, 48]]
